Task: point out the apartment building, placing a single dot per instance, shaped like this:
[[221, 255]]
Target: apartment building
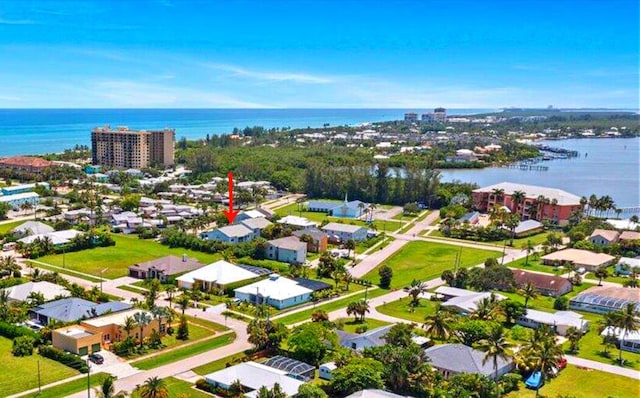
[[126, 148]]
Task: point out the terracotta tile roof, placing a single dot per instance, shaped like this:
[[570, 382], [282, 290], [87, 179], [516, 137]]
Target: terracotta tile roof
[[610, 235], [26, 161], [540, 281], [629, 235]]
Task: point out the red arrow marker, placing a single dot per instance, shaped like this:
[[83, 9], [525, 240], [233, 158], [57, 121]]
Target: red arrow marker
[[231, 214]]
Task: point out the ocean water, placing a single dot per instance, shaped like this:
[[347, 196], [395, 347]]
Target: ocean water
[[35, 131], [606, 166]]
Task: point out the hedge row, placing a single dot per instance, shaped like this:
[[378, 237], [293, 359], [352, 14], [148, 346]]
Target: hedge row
[[65, 358], [12, 331]]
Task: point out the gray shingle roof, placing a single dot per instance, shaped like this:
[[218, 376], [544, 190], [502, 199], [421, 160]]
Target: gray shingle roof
[[73, 309], [459, 358]]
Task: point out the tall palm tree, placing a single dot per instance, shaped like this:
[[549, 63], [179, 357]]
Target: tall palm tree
[[517, 197], [183, 301], [528, 247], [601, 273], [529, 291], [154, 387], [142, 320], [128, 325], [158, 314], [541, 353], [496, 347], [171, 291], [439, 325], [108, 389], [488, 308], [415, 290], [573, 334], [626, 320]]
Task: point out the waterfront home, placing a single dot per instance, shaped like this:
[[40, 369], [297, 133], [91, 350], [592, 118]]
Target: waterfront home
[[343, 232], [252, 376], [232, 234], [295, 222], [603, 299], [590, 261], [73, 309], [547, 285], [604, 237], [629, 341], [277, 291], [220, 274], [49, 291], [163, 268], [111, 326], [76, 339], [256, 225], [18, 200], [453, 359], [31, 228], [559, 322], [289, 249], [317, 239], [464, 301], [538, 203], [370, 338]]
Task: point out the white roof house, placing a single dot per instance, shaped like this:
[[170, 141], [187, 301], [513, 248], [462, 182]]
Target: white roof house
[[465, 301], [375, 394], [275, 287], [32, 228], [220, 273], [117, 318], [297, 222], [339, 227], [254, 375], [49, 290], [57, 237], [560, 321]]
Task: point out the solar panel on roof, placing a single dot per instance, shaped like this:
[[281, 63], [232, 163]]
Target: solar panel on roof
[[312, 284], [256, 270]]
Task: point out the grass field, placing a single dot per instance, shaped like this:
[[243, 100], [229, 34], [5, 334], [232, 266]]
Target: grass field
[[6, 227], [536, 265], [426, 260], [218, 364], [350, 325], [584, 383], [71, 387], [402, 309], [292, 209], [177, 387], [21, 373], [127, 251], [185, 352]]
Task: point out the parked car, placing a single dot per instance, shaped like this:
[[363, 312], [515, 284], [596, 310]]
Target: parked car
[[96, 358]]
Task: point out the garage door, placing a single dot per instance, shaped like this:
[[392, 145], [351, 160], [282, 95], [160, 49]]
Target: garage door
[[95, 347], [83, 351]]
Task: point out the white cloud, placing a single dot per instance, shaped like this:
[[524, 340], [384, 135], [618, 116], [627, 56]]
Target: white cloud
[[271, 76]]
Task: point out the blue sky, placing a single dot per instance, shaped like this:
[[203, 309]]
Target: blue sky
[[326, 54]]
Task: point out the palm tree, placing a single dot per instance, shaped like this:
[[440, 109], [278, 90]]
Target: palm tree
[[183, 301], [439, 325], [371, 209], [415, 290], [352, 309], [128, 325], [529, 247], [488, 308], [573, 334], [517, 197], [529, 291], [608, 322], [350, 245], [171, 291], [496, 347], [108, 390], [159, 313], [601, 273], [142, 320], [541, 353], [154, 387], [626, 320], [362, 308]]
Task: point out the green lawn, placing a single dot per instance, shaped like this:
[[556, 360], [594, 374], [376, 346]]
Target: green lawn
[[328, 307], [406, 228], [545, 303], [185, 352], [292, 209], [127, 251], [6, 227], [535, 265], [65, 271], [196, 332], [72, 387], [610, 278], [426, 260], [177, 387], [218, 364], [21, 373], [584, 383], [402, 309], [350, 325]]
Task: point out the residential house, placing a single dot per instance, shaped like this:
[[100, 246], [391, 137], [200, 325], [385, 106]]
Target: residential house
[[527, 227], [50, 291], [325, 371], [294, 368], [220, 275], [454, 359], [232, 234], [346, 209], [604, 237], [163, 268], [370, 338], [277, 291], [626, 265], [464, 301], [627, 236], [539, 203], [295, 222], [256, 225], [31, 228], [77, 340], [628, 341], [252, 376], [318, 239], [590, 261], [28, 164], [18, 200], [470, 218], [111, 326], [250, 214], [604, 299], [344, 232], [24, 188], [57, 238], [288, 250], [375, 394], [547, 285], [74, 309], [559, 322]]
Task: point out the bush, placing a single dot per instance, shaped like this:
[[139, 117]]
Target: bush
[[386, 273], [12, 331], [201, 384], [561, 303], [509, 382], [520, 333], [67, 359], [183, 329], [22, 346], [362, 328]]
